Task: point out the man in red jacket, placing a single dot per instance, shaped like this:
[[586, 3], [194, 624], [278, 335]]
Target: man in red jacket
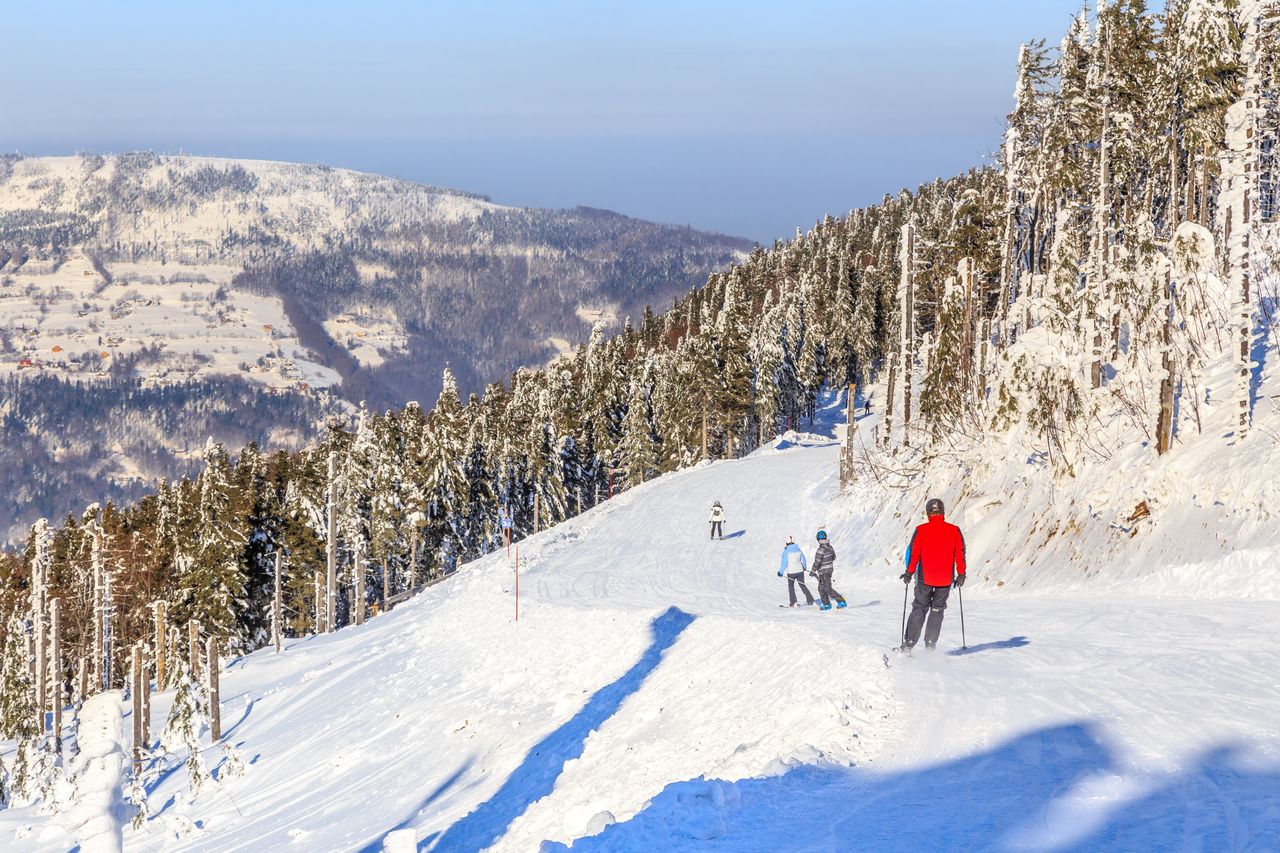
[[937, 553]]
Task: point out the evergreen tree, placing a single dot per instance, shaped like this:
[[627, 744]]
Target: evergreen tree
[[211, 584], [182, 729], [941, 394], [1208, 44], [639, 449]]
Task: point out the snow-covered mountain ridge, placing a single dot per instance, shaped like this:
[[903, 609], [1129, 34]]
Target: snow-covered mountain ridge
[[372, 262], [296, 289]]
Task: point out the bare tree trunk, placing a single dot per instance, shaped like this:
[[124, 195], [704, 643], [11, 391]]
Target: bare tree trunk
[[135, 689], [980, 387], [40, 635], [413, 557], [146, 697], [1164, 424], [275, 608], [107, 613], [99, 610], [537, 512], [908, 324], [215, 700], [193, 647], [1006, 273], [1189, 188], [966, 280], [1244, 177], [888, 401], [704, 427], [386, 578], [161, 612], [1204, 186], [1102, 227], [55, 662], [851, 426], [357, 578], [82, 681], [319, 601], [331, 579]]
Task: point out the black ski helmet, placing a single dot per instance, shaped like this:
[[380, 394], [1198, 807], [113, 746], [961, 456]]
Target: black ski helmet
[[935, 507]]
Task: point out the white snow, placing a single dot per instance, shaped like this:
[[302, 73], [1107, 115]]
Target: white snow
[[653, 696], [73, 322], [96, 815]]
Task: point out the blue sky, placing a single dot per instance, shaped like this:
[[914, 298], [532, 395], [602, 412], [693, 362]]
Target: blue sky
[[745, 117]]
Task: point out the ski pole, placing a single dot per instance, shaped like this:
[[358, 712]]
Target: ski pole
[[963, 644], [902, 639]]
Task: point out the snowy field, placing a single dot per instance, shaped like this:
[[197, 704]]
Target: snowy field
[[188, 321], [653, 696]]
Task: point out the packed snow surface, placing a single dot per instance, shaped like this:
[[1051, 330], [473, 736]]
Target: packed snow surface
[[654, 696]]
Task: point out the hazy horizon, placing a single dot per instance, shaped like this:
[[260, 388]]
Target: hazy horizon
[[726, 117]]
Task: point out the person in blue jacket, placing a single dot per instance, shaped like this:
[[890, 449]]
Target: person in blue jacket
[[793, 568], [504, 520]]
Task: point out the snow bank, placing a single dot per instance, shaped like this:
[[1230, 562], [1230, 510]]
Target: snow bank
[[96, 817]]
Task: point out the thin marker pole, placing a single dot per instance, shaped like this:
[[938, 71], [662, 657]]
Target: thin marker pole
[[517, 583]]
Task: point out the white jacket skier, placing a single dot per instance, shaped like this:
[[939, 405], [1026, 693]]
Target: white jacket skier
[[717, 520]]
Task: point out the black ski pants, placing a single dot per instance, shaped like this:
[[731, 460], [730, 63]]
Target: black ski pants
[[930, 601], [792, 580], [717, 529], [825, 589]]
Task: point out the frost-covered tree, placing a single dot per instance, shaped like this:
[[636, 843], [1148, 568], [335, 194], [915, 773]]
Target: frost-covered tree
[[187, 718], [942, 390], [211, 586], [639, 450]]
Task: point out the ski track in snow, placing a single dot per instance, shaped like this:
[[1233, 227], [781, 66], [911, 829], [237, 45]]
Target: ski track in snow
[[653, 696]]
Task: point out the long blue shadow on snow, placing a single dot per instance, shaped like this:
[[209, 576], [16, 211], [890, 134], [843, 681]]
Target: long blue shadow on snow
[[1258, 347], [1001, 798], [436, 793], [536, 776], [1011, 643], [737, 534]]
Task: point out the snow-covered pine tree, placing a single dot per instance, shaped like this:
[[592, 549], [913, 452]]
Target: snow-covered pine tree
[[444, 483], [388, 522], [480, 526], [183, 727], [17, 699], [942, 397], [211, 588], [1208, 54], [639, 450]]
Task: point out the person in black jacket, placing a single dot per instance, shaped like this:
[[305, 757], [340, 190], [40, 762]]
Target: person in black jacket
[[824, 565]]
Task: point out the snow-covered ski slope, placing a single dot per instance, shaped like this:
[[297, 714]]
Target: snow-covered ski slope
[[653, 696]]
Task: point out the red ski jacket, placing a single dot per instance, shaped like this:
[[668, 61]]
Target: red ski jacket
[[936, 549]]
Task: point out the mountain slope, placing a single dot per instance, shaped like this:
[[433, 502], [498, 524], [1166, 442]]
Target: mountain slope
[[317, 286], [653, 696], [422, 275]]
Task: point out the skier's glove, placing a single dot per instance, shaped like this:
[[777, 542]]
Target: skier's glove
[[959, 581], [905, 577], [779, 573]]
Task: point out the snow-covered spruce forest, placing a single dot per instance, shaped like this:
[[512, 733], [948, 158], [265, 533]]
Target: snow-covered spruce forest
[[1057, 326]]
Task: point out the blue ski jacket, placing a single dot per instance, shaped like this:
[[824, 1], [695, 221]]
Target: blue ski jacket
[[793, 560]]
